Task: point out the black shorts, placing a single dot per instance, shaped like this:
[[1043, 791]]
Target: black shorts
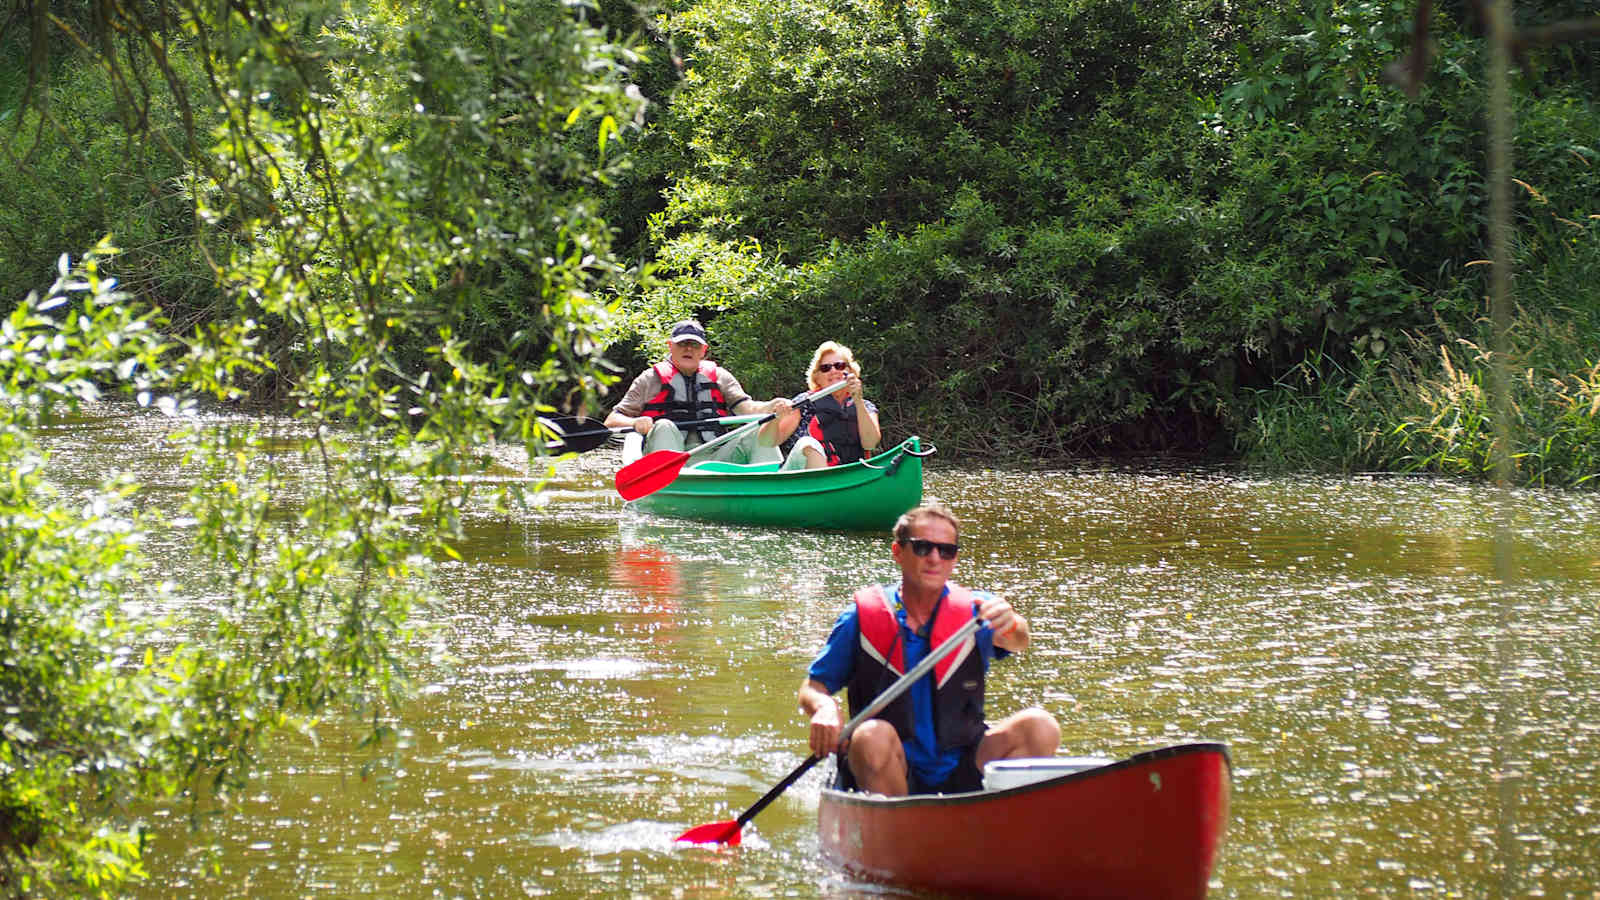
[[965, 777]]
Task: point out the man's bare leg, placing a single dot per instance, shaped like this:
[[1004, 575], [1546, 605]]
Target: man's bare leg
[[1029, 733], [878, 760]]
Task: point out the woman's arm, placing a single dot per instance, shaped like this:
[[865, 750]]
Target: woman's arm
[[866, 422]]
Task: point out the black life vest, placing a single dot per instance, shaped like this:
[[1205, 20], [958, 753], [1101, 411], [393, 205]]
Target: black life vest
[[685, 398], [959, 676], [834, 426]]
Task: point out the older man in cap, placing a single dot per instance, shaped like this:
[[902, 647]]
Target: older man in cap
[[685, 388]]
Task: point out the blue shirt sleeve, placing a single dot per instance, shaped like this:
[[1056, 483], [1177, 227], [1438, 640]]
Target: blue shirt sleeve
[[836, 663]]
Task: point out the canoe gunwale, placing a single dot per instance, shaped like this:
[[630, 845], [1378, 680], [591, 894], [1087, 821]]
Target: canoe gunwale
[[856, 798], [907, 447]]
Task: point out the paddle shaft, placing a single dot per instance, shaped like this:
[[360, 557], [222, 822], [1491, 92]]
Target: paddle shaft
[[888, 696], [571, 436], [716, 420]]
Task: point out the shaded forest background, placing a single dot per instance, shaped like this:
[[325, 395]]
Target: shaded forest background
[[1200, 228]]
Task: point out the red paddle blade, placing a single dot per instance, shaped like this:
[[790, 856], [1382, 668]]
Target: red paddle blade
[[715, 833], [650, 473]]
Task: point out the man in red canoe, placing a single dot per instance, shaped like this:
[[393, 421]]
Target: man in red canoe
[[686, 387], [933, 738]]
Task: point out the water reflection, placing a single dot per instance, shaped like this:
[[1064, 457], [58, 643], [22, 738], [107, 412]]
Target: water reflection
[[648, 571], [619, 678]]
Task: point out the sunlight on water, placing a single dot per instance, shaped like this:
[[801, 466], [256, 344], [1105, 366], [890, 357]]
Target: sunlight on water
[[619, 678], [651, 837]]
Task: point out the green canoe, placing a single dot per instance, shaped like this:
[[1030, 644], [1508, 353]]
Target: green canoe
[[860, 496]]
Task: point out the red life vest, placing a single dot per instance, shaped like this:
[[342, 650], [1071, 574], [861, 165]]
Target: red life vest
[[958, 677], [834, 426], [685, 398]]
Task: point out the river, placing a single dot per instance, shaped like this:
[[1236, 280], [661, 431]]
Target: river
[[1405, 718]]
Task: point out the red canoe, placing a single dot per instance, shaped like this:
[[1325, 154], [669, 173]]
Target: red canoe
[[1148, 826]]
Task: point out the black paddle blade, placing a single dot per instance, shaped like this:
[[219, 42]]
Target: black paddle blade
[[576, 434]]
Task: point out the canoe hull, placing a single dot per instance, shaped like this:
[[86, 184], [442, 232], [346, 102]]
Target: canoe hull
[[1148, 826], [862, 496]]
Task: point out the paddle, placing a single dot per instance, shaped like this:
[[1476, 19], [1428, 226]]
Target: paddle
[[729, 832], [654, 471], [580, 434]]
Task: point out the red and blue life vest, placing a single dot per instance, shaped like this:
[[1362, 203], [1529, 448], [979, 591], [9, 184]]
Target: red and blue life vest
[[958, 677]]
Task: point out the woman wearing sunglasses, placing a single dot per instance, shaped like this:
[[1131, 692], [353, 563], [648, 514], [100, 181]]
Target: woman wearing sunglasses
[[836, 429]]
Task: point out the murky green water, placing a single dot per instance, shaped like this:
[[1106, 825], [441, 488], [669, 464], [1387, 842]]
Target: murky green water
[[620, 678]]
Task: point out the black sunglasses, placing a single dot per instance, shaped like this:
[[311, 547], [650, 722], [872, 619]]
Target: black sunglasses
[[829, 367], [922, 548]]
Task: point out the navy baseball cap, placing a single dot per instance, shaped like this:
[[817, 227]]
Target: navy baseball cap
[[689, 330]]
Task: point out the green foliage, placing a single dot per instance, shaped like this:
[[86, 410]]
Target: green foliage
[[76, 175], [1324, 417], [1440, 417], [433, 201], [1427, 403], [400, 205], [1085, 225], [973, 278], [805, 122], [1438, 413], [86, 722], [1554, 409], [923, 173]]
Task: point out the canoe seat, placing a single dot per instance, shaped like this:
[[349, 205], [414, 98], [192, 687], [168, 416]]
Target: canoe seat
[[732, 468], [1009, 773]]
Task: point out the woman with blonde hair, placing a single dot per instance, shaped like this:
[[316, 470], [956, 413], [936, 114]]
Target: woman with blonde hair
[[839, 428]]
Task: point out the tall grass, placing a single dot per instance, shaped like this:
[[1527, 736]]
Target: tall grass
[[1554, 432], [1429, 408], [1427, 404], [1324, 416]]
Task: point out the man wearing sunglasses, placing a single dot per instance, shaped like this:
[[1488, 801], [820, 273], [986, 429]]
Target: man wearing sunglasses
[[685, 388], [933, 738]]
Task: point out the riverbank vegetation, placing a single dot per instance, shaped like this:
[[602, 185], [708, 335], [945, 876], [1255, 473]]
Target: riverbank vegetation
[[1070, 228], [405, 267], [1101, 228], [1230, 230]]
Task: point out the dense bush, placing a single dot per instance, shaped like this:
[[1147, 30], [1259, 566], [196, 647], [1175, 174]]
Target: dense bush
[[1094, 226], [1398, 378], [1075, 226], [86, 723], [982, 202], [75, 174], [1432, 405]]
